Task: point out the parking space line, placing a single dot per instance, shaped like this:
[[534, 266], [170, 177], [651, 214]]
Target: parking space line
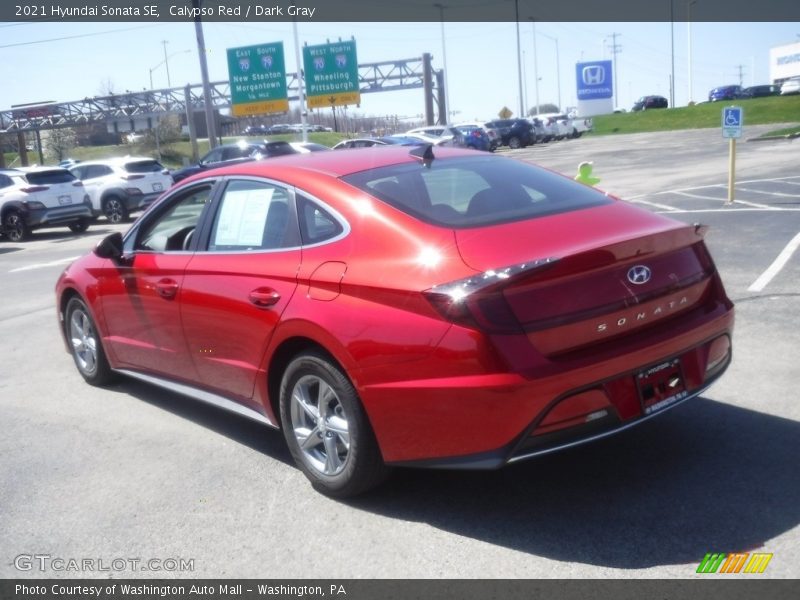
[[663, 207], [726, 210], [756, 205], [698, 196], [54, 263], [724, 186], [781, 194], [776, 266]]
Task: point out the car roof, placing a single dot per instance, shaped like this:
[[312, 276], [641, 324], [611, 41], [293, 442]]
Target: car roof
[[336, 164], [113, 160]]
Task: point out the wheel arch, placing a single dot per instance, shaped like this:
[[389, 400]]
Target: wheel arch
[[279, 360]]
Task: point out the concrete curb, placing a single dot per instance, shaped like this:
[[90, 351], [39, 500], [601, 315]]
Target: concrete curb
[[788, 136]]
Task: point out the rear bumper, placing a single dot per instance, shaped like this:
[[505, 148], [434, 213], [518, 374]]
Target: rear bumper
[[486, 421], [140, 201], [63, 215]]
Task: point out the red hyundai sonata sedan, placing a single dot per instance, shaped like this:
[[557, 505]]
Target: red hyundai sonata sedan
[[393, 306]]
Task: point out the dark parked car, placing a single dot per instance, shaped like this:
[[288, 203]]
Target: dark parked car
[[408, 305], [759, 91], [230, 154], [648, 102], [514, 133], [726, 92]]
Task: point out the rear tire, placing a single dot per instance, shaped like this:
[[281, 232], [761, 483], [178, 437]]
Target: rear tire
[[79, 226], [115, 210], [15, 228], [326, 428], [514, 143], [85, 345]]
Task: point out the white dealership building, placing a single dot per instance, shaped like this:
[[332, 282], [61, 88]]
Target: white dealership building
[[784, 62]]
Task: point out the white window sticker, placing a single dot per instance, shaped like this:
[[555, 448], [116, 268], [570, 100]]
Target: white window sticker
[[242, 217]]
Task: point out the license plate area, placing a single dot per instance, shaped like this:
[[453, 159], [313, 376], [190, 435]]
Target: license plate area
[[157, 187], [661, 386], [64, 200]]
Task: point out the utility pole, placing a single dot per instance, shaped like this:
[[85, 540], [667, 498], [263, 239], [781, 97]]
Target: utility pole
[[741, 76], [615, 49]]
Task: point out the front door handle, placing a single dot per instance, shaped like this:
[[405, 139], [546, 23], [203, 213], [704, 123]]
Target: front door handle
[[264, 297], [167, 288]]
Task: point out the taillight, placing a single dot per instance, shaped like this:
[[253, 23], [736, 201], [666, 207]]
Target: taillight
[[478, 301], [132, 177], [35, 188], [476, 133], [133, 191]]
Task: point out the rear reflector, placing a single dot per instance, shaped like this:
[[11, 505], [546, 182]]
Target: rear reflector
[[579, 409], [35, 188]]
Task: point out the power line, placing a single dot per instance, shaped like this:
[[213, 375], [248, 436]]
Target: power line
[[72, 37]]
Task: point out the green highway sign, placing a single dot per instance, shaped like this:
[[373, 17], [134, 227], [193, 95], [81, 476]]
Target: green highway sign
[[257, 79], [331, 74]]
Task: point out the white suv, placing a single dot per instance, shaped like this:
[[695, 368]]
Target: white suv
[[119, 186], [41, 197]]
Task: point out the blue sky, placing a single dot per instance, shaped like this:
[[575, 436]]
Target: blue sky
[[481, 58]]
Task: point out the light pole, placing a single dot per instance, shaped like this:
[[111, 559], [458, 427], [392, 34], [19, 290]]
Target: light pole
[[689, 41], [519, 61], [558, 68], [535, 67], [164, 62], [672, 53], [441, 8]]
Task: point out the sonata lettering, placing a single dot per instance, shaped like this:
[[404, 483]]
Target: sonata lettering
[[642, 316]]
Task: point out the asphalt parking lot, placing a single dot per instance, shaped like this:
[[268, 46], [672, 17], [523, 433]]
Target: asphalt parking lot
[[135, 472]]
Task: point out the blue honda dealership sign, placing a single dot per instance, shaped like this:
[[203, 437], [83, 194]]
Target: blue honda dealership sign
[[594, 80]]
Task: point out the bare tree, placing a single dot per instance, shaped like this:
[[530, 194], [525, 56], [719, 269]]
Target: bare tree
[[59, 142]]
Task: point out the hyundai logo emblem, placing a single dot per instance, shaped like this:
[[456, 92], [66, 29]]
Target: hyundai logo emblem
[[639, 274], [594, 75]]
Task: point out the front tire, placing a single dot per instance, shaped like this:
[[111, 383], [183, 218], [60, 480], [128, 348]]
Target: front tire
[[326, 429], [115, 210], [514, 143], [15, 228], [85, 345]]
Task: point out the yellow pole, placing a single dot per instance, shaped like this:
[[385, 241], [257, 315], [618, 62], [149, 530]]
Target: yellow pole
[[731, 169]]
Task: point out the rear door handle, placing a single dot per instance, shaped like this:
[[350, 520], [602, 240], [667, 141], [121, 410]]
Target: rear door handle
[[167, 288], [264, 297]]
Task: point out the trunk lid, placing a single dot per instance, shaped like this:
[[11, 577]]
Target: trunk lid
[[617, 270]]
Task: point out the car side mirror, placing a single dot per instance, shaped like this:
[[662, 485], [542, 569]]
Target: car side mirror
[[110, 247]]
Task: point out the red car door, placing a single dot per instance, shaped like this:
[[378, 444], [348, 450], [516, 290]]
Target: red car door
[[237, 286], [141, 295]]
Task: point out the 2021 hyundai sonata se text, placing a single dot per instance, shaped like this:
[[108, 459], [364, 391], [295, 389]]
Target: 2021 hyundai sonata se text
[[404, 306]]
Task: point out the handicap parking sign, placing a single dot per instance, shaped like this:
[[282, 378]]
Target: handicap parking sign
[[732, 121]]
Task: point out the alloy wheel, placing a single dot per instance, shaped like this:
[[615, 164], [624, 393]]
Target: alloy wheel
[[320, 425], [83, 340]]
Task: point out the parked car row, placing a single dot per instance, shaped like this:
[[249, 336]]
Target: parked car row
[[282, 128], [736, 92]]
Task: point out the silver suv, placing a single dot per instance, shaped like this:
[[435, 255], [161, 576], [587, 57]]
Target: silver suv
[[31, 198], [119, 186]]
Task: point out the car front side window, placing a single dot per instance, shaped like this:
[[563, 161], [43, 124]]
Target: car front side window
[[174, 227]]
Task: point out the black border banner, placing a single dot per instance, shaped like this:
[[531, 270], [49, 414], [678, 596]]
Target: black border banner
[[735, 588], [398, 11]]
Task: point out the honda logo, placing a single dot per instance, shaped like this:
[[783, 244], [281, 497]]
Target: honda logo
[[639, 274], [594, 75]]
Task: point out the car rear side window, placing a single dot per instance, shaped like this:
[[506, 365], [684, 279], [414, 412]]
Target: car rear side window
[[475, 191], [50, 177], [5, 181], [316, 224], [144, 166], [253, 215]]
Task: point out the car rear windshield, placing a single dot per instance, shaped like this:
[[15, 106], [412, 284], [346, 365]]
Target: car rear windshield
[[50, 177], [475, 191], [144, 166]]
